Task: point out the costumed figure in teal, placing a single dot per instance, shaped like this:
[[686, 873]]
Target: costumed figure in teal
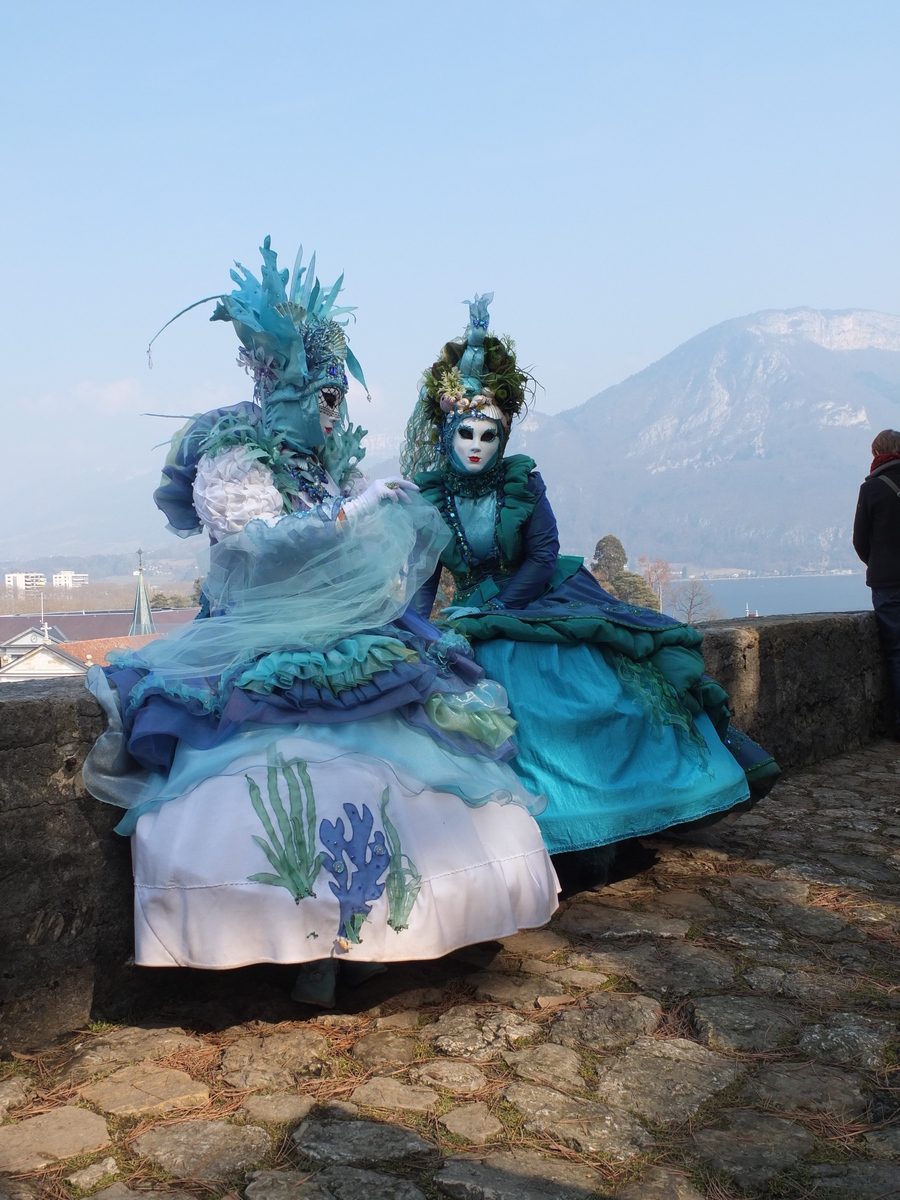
[[617, 723], [312, 773]]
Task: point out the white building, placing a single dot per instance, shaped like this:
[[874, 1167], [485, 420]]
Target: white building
[[43, 662], [23, 643], [25, 581], [69, 579]]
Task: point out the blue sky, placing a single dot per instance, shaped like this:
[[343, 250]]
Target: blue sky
[[622, 175]]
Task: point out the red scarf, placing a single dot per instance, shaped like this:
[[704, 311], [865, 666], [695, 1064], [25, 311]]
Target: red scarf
[[880, 459]]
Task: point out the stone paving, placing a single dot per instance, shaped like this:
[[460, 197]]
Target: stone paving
[[720, 1024]]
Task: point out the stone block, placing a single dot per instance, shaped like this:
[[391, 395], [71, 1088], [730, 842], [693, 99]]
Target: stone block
[[461, 1079], [274, 1061], [742, 1023], [516, 1175], [207, 1150], [88, 1177], [586, 1126], [517, 991], [357, 1143], [469, 1031], [37, 1142], [145, 1088], [383, 1049], [607, 1020], [283, 1108], [474, 1122], [557, 1066], [753, 1148], [391, 1093], [665, 1080], [808, 1087], [127, 1044], [850, 1039]]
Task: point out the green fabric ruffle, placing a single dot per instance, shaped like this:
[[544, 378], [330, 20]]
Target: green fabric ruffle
[[349, 663], [480, 714]]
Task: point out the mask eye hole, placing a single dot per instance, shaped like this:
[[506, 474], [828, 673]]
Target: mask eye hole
[[489, 436], [467, 433]]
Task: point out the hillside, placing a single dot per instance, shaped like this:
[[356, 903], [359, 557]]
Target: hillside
[[745, 446]]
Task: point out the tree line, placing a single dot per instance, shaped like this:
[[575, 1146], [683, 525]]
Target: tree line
[[653, 587]]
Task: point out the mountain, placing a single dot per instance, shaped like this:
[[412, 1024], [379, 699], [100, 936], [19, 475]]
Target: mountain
[[744, 447]]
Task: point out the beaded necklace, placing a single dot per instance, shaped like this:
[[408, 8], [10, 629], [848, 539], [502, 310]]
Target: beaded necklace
[[310, 478], [461, 486]]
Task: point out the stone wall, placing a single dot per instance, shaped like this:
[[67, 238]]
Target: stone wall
[[65, 878], [806, 687]]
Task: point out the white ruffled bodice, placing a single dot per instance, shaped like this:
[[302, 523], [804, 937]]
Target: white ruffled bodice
[[232, 488]]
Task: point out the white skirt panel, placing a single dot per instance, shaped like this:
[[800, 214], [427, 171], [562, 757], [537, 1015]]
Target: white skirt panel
[[480, 872]]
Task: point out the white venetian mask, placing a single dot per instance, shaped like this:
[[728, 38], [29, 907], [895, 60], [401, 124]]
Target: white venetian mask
[[475, 444]]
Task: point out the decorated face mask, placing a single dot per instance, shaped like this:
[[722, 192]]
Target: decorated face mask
[[330, 399], [476, 442]]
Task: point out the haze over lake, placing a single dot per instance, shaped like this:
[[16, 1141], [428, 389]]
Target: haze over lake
[[791, 594]]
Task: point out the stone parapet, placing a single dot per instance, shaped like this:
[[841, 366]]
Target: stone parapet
[[65, 877], [806, 687]]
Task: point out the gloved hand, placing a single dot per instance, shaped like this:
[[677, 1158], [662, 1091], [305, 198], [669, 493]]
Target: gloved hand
[[393, 488]]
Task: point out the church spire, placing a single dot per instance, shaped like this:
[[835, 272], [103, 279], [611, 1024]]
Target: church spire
[[142, 621]]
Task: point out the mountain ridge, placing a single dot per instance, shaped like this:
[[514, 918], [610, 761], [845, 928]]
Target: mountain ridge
[[744, 444]]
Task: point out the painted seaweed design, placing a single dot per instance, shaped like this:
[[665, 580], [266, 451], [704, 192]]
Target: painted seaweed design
[[292, 856], [403, 880], [354, 889]]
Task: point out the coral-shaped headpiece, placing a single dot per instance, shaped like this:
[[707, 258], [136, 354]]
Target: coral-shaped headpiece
[[292, 340]]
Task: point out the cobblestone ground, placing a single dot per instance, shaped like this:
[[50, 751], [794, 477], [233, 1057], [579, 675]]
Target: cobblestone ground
[[722, 1024]]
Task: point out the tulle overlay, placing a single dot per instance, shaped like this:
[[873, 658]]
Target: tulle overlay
[[313, 770]]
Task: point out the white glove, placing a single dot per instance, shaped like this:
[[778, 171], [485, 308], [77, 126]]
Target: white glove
[[393, 488]]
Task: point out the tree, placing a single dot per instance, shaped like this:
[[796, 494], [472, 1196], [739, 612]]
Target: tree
[[609, 558], [692, 601], [161, 600], [658, 574], [196, 590], [634, 589], [608, 568]]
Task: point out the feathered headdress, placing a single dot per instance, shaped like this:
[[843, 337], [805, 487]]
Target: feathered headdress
[[476, 374], [293, 343]]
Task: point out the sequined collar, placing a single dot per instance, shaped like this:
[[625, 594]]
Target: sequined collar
[[472, 486]]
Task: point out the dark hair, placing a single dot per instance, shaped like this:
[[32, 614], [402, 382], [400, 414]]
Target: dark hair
[[886, 442]]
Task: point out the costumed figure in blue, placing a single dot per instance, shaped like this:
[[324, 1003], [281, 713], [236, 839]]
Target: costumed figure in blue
[[312, 774], [617, 723]]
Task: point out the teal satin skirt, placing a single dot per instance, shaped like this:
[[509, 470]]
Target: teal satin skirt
[[614, 760]]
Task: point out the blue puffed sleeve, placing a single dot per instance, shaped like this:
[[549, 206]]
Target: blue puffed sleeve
[[175, 494], [541, 546]]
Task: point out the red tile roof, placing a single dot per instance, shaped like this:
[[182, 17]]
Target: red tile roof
[[98, 648]]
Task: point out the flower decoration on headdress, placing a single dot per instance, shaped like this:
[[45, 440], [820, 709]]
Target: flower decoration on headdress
[[477, 375]]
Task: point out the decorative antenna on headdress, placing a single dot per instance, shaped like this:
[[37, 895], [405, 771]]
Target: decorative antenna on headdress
[[471, 365]]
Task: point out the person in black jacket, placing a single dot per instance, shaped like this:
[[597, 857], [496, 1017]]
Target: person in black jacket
[[876, 539]]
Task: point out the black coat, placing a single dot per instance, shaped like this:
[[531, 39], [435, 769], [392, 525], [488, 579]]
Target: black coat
[[876, 529]]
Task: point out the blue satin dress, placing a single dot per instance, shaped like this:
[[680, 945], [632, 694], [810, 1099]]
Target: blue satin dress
[[617, 723]]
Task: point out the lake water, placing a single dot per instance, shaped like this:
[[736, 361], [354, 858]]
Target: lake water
[[791, 594]]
